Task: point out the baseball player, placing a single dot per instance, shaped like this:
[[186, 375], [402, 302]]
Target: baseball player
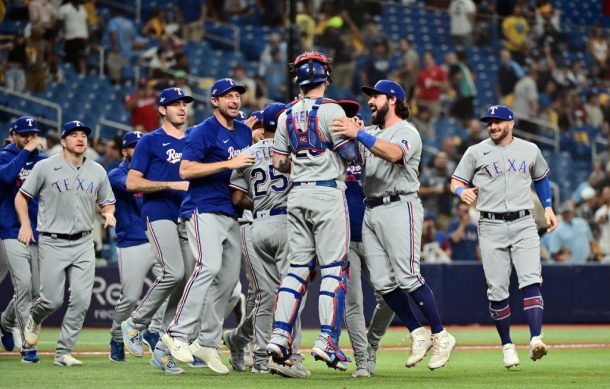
[[497, 174], [154, 171], [8, 338], [16, 162], [213, 148], [318, 225], [68, 187], [136, 255], [392, 226]]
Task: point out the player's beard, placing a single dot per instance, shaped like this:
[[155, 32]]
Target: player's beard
[[224, 111], [380, 114], [504, 132]]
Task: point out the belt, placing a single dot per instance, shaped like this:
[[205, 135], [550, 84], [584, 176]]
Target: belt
[[373, 202], [76, 236], [330, 183], [506, 216], [270, 212]]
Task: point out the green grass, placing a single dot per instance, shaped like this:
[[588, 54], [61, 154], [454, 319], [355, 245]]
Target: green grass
[[577, 367]]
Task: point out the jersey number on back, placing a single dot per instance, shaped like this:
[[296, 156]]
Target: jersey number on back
[[279, 182]]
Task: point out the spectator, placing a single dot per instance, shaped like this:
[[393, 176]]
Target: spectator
[[484, 20], [525, 103], [372, 34], [181, 81], [52, 140], [434, 190], [409, 67], [448, 146], [435, 247], [431, 81], [94, 21], [249, 100], [546, 16], [423, 122], [306, 23], [271, 12], [123, 42], [155, 27], [161, 59], [274, 41], [378, 66], [462, 19], [509, 73], [42, 15], [587, 205], [597, 46], [73, 16], [275, 77], [38, 51], [16, 62], [191, 15], [515, 29], [111, 157], [336, 39], [473, 136], [462, 82], [595, 116], [572, 240], [143, 107], [602, 220], [464, 236]]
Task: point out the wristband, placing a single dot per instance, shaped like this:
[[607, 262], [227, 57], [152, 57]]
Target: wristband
[[367, 140], [459, 191]]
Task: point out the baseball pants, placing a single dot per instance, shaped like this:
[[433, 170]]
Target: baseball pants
[[134, 264], [391, 235], [23, 265], [215, 311], [215, 242], [60, 259], [8, 318]]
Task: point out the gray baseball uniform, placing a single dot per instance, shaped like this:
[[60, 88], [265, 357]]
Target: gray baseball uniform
[[66, 213], [8, 317], [504, 176]]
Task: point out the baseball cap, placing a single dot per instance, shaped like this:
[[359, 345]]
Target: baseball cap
[[270, 115], [25, 124], [131, 137], [225, 85], [258, 115], [501, 112], [74, 125], [241, 116], [169, 95], [385, 87]]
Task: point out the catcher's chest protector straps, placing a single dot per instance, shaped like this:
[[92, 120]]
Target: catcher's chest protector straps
[[309, 140]]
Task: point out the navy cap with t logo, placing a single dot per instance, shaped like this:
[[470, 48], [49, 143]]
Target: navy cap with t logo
[[500, 112], [25, 124], [74, 125]]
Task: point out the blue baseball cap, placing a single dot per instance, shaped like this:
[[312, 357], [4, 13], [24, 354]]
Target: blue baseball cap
[[258, 115], [169, 95], [225, 85], [131, 137], [501, 112], [270, 115], [74, 125], [385, 87], [241, 116], [25, 124]]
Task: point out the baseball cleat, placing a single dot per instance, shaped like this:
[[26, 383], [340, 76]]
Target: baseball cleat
[[324, 350], [372, 358], [150, 339], [279, 354], [117, 351], [421, 342], [210, 356], [197, 363], [31, 332], [537, 348], [29, 356], [178, 348], [163, 360], [288, 371], [249, 355], [362, 367], [511, 359], [260, 368], [237, 353], [442, 345], [17, 338], [132, 338], [8, 341], [67, 360]]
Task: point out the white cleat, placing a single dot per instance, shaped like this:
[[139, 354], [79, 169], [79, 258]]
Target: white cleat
[[537, 348], [178, 348], [67, 360], [442, 345], [17, 337], [210, 357], [31, 332], [511, 359], [421, 342]]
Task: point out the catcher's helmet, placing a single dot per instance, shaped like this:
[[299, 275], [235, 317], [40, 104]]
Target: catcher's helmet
[[311, 67]]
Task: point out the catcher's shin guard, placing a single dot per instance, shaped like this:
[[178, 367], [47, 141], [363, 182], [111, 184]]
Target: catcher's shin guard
[[290, 295], [331, 302]]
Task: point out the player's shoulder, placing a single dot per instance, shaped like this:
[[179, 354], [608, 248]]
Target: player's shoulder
[[525, 143], [49, 161], [94, 166]]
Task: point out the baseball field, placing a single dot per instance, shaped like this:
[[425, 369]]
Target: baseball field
[[579, 357]]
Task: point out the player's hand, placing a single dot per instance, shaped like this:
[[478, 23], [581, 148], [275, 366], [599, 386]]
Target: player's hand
[[347, 127], [469, 196], [109, 219], [251, 121], [242, 160], [26, 235], [551, 220], [257, 135], [33, 144], [180, 185]]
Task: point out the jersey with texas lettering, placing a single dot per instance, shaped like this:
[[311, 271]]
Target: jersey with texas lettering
[[157, 156], [15, 166], [67, 195], [210, 142], [503, 175], [267, 186]]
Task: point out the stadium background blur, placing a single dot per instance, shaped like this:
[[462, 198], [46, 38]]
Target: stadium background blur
[[548, 60]]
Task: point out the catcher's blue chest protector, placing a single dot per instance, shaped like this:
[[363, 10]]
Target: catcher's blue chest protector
[[308, 141]]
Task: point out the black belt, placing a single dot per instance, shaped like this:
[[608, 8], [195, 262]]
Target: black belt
[[270, 212], [373, 202], [330, 183], [76, 236], [506, 216]]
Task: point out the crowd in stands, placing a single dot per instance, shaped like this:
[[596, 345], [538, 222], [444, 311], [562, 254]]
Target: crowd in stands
[[550, 81]]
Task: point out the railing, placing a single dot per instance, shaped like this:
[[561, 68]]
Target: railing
[[101, 52], [236, 34], [36, 100], [103, 122], [544, 126], [595, 154]]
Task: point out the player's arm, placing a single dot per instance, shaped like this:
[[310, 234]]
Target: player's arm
[[467, 195], [26, 235], [192, 169], [241, 200], [136, 183], [10, 167], [281, 162], [542, 185], [350, 128], [108, 215]]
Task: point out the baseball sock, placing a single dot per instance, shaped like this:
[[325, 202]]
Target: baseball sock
[[533, 305], [500, 312], [399, 302], [424, 298]]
